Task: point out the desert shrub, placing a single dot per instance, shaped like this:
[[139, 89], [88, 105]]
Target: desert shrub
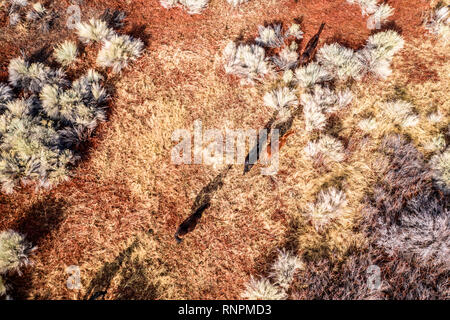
[[281, 98], [14, 251], [320, 101], [95, 30], [294, 31], [248, 62], [284, 269], [312, 74], [191, 6], [340, 61], [326, 149], [2, 287], [440, 164], [401, 113], [367, 125], [287, 58], [439, 23], [41, 16], [327, 209], [39, 130], [377, 55], [263, 289], [32, 77], [407, 217], [66, 53], [270, 36], [378, 14], [118, 51], [235, 3]]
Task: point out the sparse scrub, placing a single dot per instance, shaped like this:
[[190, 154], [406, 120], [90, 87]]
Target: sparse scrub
[[235, 3], [41, 16], [14, 251], [367, 125], [191, 6], [287, 58], [294, 31], [281, 98]]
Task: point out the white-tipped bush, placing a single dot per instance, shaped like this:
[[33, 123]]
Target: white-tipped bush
[[168, 4], [235, 3], [328, 207], [2, 287], [312, 74], [380, 16], [14, 251], [286, 59], [281, 98], [270, 36], [327, 148], [294, 31], [401, 113], [367, 125], [284, 268], [436, 143], [95, 30], [194, 6], [248, 62], [435, 117], [441, 170], [439, 23], [66, 53], [262, 289], [118, 51], [32, 77], [367, 6], [5, 94], [340, 61]]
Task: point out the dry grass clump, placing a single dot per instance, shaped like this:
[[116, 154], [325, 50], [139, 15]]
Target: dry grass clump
[[191, 6], [401, 113], [440, 163], [439, 23], [312, 74], [66, 53], [270, 36], [340, 61], [118, 51], [14, 251], [378, 14]]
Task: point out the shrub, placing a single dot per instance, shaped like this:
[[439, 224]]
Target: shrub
[[312, 74], [270, 36], [340, 61], [246, 61], [284, 268], [326, 148], [2, 287], [287, 58], [401, 113], [381, 14], [440, 164], [327, 208], [14, 251], [294, 31], [41, 16], [194, 6], [367, 125], [33, 76], [39, 130], [66, 53], [263, 289], [281, 98], [439, 23], [235, 3], [168, 4], [95, 30], [118, 51]]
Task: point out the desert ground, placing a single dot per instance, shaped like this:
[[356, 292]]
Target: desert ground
[[115, 218]]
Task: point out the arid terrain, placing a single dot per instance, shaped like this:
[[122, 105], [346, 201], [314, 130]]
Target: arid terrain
[[116, 217]]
